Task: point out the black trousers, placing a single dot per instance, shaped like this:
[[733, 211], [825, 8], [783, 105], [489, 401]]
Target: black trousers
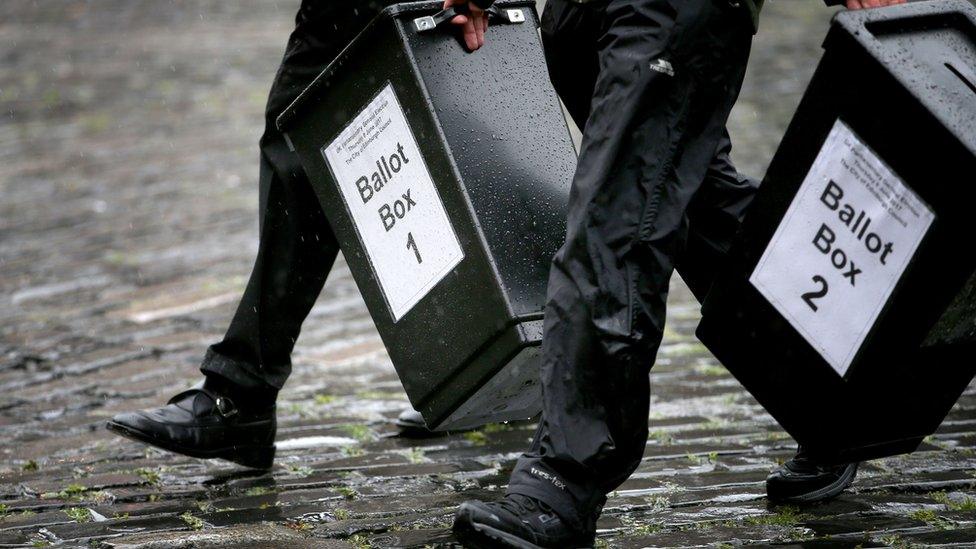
[[297, 247], [651, 82]]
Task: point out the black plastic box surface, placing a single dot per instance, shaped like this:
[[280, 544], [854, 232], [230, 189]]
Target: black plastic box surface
[[859, 337], [445, 175]]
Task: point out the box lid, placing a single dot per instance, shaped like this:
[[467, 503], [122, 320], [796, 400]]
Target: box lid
[[930, 48], [292, 113]]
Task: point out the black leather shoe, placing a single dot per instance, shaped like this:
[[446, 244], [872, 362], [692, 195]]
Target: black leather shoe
[[412, 425], [803, 480], [515, 521], [202, 424]]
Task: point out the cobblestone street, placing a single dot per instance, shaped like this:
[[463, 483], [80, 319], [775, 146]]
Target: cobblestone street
[[128, 197]]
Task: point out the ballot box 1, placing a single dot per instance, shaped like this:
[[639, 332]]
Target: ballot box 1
[[848, 307], [445, 176]]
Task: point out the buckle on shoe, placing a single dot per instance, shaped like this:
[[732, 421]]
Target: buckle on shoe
[[225, 406]]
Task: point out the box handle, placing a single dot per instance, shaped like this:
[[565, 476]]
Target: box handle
[[429, 23]]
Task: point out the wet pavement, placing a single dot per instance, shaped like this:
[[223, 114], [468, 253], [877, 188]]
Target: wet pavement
[[127, 228]]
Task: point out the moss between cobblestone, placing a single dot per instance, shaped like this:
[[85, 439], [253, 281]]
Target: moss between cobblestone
[[325, 399], [149, 475], [477, 438], [360, 432], [299, 525], [359, 541], [896, 541], [932, 518], [195, 523], [965, 504], [256, 491], [783, 516], [416, 455], [301, 471], [658, 503], [78, 514], [711, 370], [76, 492], [662, 437], [379, 395]]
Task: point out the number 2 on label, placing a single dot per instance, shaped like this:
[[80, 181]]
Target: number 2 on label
[[816, 294], [412, 245]]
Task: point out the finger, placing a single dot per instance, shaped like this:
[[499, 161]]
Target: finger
[[854, 4], [871, 3], [470, 35], [457, 19], [480, 30]]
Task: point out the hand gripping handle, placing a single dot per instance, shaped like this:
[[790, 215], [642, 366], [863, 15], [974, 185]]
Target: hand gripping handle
[[429, 23]]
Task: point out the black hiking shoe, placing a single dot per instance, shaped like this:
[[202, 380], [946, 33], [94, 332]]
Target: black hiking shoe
[[515, 521], [803, 480], [203, 424]]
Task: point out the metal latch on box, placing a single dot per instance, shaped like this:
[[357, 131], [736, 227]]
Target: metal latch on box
[[431, 22]]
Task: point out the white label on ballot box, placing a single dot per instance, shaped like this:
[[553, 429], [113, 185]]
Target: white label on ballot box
[[840, 250], [393, 203]]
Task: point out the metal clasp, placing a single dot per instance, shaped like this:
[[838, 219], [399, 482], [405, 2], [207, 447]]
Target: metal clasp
[[515, 16], [225, 407], [424, 23]]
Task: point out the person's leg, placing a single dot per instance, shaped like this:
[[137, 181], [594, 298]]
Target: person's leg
[[297, 247], [231, 415], [668, 75], [714, 217], [570, 32]]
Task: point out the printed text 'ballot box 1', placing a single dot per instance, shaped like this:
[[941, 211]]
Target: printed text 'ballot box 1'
[[445, 175]]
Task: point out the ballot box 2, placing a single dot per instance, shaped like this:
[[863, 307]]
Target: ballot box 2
[[848, 307], [445, 176]]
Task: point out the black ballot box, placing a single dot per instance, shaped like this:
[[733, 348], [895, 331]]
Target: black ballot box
[[848, 306], [445, 175]]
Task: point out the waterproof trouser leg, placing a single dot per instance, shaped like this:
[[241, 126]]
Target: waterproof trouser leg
[[297, 247], [653, 165]]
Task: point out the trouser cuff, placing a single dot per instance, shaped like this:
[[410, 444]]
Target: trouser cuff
[[239, 372]]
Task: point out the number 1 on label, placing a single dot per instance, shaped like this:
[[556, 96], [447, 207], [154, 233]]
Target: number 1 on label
[[412, 245]]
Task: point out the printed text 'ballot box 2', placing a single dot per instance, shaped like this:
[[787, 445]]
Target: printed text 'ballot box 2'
[[848, 307]]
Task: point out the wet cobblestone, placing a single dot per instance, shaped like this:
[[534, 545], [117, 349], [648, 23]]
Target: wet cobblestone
[[128, 134]]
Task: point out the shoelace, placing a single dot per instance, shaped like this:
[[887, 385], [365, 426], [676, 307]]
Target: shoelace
[[522, 506], [519, 504]]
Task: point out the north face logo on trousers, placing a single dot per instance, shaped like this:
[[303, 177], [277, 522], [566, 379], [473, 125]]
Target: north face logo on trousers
[[662, 66]]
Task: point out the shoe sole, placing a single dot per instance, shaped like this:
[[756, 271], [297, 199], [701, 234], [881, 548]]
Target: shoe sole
[[480, 536], [410, 429], [255, 457], [475, 535], [827, 492]]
